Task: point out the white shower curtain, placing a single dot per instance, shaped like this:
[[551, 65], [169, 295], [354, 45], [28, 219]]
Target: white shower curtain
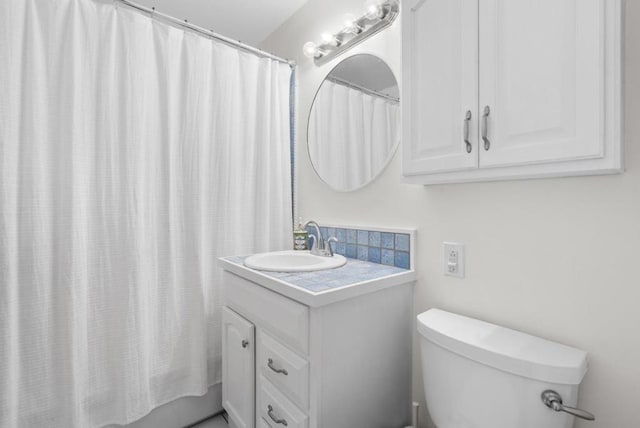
[[352, 135], [132, 155]]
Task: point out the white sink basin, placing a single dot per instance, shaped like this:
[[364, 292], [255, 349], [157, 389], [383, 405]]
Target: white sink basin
[[293, 261]]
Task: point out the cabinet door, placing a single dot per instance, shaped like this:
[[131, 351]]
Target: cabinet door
[[263, 424], [542, 71], [440, 75], [238, 369]]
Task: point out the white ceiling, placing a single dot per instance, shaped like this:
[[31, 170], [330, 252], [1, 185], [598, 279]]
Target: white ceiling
[[250, 21]]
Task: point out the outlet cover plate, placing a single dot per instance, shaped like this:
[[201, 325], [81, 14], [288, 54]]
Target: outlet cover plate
[[453, 259]]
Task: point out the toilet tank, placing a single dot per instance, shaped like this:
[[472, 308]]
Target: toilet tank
[[480, 375]]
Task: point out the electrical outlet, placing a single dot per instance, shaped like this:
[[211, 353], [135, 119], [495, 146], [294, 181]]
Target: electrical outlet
[[453, 259]]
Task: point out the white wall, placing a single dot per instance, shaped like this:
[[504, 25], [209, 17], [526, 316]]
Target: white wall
[[557, 257], [247, 20]]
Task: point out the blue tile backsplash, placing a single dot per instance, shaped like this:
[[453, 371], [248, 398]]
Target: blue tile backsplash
[[351, 251], [387, 248], [374, 239], [402, 259], [388, 257], [374, 255], [387, 240], [363, 252], [402, 242]]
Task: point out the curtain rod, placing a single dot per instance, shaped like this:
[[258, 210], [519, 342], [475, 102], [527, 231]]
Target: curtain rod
[[207, 33], [360, 88]]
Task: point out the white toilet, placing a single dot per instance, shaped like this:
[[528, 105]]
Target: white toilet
[[479, 375]]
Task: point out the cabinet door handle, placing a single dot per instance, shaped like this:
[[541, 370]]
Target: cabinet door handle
[[273, 418], [467, 120], [485, 127], [245, 343], [270, 365]]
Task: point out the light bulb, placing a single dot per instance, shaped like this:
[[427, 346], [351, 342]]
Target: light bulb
[[330, 39], [310, 50], [348, 19], [350, 24], [374, 9]]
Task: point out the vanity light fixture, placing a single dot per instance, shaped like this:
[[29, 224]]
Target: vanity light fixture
[[374, 9], [311, 50], [378, 15], [330, 39], [350, 24]]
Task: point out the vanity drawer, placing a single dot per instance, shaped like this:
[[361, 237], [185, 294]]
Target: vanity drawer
[[286, 370], [284, 318], [276, 409]]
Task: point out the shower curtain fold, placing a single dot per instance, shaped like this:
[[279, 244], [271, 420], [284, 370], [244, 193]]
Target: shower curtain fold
[[132, 155]]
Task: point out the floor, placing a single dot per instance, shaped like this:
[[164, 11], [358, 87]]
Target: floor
[[217, 422]]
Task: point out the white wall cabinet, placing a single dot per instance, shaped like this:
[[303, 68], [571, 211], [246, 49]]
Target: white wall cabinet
[[504, 89], [445, 93], [345, 364]]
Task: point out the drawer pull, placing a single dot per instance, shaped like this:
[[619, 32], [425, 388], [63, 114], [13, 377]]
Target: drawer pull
[[245, 343], [270, 365], [273, 418]]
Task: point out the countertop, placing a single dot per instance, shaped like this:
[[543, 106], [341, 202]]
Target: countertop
[[322, 287]]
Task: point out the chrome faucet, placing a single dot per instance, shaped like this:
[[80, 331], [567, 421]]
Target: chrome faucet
[[320, 246]]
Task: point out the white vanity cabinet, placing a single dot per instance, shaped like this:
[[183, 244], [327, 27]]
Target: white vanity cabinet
[[502, 89], [344, 364]]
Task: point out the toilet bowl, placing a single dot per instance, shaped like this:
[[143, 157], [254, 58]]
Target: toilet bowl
[[479, 375]]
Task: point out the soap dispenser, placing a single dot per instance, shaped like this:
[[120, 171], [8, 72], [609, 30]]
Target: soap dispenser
[[300, 237]]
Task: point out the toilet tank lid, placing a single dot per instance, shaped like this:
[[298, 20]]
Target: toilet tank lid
[[504, 349]]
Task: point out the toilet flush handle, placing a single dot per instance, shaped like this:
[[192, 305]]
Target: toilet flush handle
[[553, 400]]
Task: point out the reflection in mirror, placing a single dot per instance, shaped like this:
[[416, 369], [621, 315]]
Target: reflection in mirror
[[354, 124]]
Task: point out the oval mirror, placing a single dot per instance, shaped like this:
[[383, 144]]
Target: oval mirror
[[354, 123]]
